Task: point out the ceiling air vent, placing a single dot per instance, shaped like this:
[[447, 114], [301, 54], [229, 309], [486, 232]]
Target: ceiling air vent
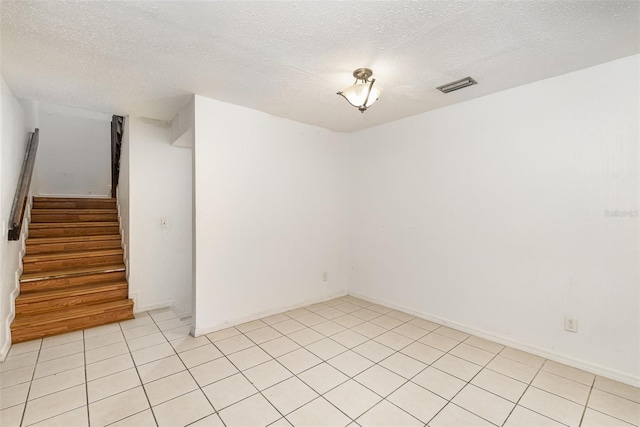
[[458, 84]]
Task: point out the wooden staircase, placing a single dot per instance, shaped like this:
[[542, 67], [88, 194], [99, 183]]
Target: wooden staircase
[[73, 271]]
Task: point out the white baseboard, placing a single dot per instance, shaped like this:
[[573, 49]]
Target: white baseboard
[[149, 307], [542, 352], [196, 332]]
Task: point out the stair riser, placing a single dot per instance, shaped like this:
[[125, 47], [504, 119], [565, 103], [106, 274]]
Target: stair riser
[[67, 232], [62, 264], [65, 282], [71, 301], [77, 217], [22, 334], [80, 204], [72, 247]]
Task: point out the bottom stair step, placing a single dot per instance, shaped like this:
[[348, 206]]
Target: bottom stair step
[[35, 326], [58, 299]]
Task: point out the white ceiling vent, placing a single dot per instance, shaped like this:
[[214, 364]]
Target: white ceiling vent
[[458, 84]]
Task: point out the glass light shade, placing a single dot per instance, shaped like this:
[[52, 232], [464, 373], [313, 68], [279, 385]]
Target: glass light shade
[[356, 94]]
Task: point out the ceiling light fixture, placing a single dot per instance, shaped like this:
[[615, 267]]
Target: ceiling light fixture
[[361, 94]]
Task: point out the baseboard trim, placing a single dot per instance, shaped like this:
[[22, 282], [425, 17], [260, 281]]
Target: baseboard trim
[[149, 307], [196, 332], [542, 352]]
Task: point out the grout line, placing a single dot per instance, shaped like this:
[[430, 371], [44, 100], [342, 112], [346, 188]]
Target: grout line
[[586, 403], [24, 410]]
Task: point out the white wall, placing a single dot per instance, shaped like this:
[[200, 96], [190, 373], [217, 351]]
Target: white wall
[[123, 191], [16, 121], [159, 187], [75, 152], [271, 213], [491, 214]]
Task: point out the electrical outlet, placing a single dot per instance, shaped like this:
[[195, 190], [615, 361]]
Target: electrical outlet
[[325, 276], [570, 324]]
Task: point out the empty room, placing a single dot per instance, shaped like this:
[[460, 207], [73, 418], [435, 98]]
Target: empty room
[[320, 213]]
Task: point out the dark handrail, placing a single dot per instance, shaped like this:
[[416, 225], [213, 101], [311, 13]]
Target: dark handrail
[[22, 192], [117, 130]]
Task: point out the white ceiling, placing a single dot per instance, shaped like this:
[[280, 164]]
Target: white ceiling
[[290, 58]]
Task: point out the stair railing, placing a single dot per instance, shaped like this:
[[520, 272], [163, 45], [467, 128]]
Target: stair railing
[[117, 130], [22, 192]]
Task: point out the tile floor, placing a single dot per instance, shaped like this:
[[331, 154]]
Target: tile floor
[[342, 362]]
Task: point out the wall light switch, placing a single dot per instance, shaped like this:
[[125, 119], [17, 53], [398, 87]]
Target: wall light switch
[[164, 222]]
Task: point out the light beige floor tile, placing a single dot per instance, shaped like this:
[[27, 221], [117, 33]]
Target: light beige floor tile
[[298, 312], [210, 372], [522, 357], [316, 307], [417, 401], [348, 321], [267, 374], [410, 331], [249, 357], [134, 323], [347, 307], [513, 369], [146, 341], [61, 364], [352, 398], [63, 339], [16, 376], [323, 377], [326, 348], [263, 335], [472, 354], [75, 418], [330, 313], [161, 314], [279, 346], [404, 317], [57, 382], [107, 352], [380, 380], [422, 352], [369, 330], [288, 326], [149, 354], [563, 387], [117, 407], [318, 413], [457, 367], [14, 395], [393, 340], [183, 410], [523, 417], [365, 314], [289, 395], [384, 414], [160, 368], [452, 333], [305, 336], [484, 404], [222, 334], [350, 363], [141, 419], [228, 391], [167, 388], [484, 344], [403, 365], [103, 340], [453, 415], [439, 342], [108, 367], [200, 355], [234, 344], [374, 351], [598, 419], [438, 382], [617, 388], [502, 385], [552, 406], [11, 416], [168, 324], [210, 421], [328, 328], [189, 343], [55, 404], [424, 324], [618, 407], [61, 350], [112, 384], [276, 318], [24, 347], [176, 333], [387, 322], [310, 319], [140, 331], [251, 326], [253, 411], [19, 361], [299, 360]]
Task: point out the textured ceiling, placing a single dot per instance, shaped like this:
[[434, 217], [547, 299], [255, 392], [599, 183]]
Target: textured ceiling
[[290, 58]]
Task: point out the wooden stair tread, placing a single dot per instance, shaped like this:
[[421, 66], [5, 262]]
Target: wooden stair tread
[[31, 297], [62, 211], [45, 225], [71, 239], [71, 199], [68, 314], [71, 255], [30, 277]]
